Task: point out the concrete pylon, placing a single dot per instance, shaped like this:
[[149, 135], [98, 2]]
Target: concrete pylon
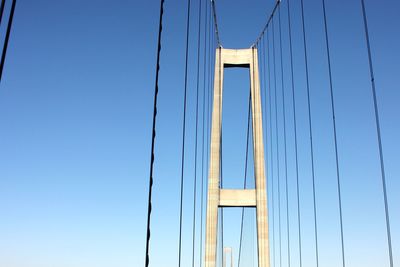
[[227, 250], [219, 197]]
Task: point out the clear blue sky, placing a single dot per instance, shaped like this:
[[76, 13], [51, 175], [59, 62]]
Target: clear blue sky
[[75, 124]]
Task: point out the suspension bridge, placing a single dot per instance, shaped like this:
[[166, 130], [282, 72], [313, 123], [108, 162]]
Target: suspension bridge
[[272, 124], [297, 179]]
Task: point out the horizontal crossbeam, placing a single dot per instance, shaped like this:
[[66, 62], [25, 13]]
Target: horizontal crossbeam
[[237, 198]]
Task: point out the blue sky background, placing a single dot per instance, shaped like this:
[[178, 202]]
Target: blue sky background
[[75, 123]]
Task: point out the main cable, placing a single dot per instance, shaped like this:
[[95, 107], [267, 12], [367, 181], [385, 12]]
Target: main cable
[[183, 133], [215, 22], [5, 45], [378, 132], [334, 132], [270, 17], [153, 136]]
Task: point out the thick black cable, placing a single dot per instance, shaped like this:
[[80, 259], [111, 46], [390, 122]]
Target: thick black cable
[[245, 176], [277, 144], [378, 132], [153, 135], [196, 134], [334, 132], [203, 133], [310, 131], [284, 136], [5, 45], [183, 133], [295, 133]]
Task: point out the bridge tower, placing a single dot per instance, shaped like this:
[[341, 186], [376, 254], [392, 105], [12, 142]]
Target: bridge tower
[[227, 251], [220, 197]]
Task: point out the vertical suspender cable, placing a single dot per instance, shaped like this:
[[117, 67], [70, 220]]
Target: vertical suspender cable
[[272, 156], [220, 143], [183, 134], [203, 134], [153, 136], [196, 134], [277, 144], [263, 56], [378, 131], [295, 132], [334, 132], [5, 45], [265, 89], [310, 132], [284, 137], [245, 177]]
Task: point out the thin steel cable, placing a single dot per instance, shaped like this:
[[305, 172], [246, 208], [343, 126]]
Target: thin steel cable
[[295, 133], [205, 64], [245, 177], [183, 134], [220, 142], [266, 49], [334, 131], [5, 45], [271, 148], [265, 91], [284, 136], [310, 132], [277, 144], [378, 132], [153, 136], [256, 125], [196, 134]]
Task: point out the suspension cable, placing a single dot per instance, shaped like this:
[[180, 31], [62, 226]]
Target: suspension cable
[[310, 132], [5, 45], [295, 132], [196, 134], [265, 90], [277, 142], [220, 141], [334, 131], [183, 134], [153, 136], [215, 22], [271, 148], [203, 132], [265, 28], [245, 176], [378, 131], [284, 137]]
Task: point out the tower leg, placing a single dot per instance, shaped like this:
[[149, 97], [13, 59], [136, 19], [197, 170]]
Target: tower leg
[[214, 174]]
